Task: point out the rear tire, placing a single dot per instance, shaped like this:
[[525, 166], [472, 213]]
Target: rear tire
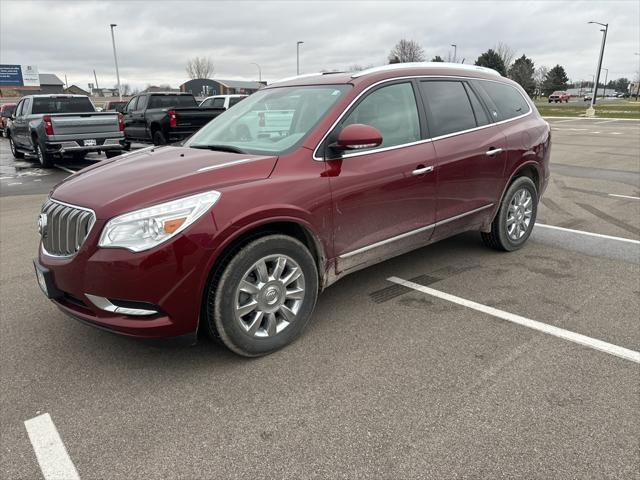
[[45, 159], [516, 217], [14, 151], [159, 138], [275, 274]]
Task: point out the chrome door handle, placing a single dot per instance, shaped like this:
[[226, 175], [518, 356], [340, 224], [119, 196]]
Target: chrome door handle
[[493, 151], [420, 171]]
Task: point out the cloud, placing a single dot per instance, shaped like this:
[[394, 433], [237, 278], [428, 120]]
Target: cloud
[[155, 38]]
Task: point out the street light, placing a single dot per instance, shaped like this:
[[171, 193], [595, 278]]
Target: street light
[[455, 51], [604, 91], [591, 110], [115, 57], [298, 43], [259, 71]]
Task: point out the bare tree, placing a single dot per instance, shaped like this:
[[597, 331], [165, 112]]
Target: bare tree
[[539, 77], [125, 89], [356, 67], [506, 53], [406, 51], [199, 67]]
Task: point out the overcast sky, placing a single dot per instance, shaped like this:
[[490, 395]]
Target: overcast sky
[[155, 38]]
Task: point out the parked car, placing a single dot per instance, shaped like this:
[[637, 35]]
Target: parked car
[[47, 126], [114, 106], [588, 97], [164, 117], [236, 234], [222, 101], [6, 110], [559, 96]]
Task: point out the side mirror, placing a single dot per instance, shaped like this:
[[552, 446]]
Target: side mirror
[[357, 136]]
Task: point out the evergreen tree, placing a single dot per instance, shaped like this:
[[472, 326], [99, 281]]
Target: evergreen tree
[[556, 79], [437, 58], [522, 72], [491, 59]]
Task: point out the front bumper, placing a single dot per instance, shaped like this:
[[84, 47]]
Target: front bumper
[[156, 294]]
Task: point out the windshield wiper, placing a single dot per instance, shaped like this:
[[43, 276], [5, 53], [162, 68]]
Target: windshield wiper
[[219, 148]]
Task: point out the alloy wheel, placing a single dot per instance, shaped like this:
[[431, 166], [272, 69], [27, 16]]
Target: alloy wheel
[[519, 214], [269, 296]]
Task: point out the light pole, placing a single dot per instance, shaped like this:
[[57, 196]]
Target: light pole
[[115, 57], [455, 52], [591, 110], [298, 43], [259, 71], [604, 90]]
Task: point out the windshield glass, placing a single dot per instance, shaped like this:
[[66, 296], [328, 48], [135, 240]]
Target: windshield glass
[[61, 105], [270, 121]]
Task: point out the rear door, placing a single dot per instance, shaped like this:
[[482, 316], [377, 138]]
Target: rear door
[[384, 197], [471, 154]]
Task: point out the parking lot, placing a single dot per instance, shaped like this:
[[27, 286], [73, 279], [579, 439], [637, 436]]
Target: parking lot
[[453, 361]]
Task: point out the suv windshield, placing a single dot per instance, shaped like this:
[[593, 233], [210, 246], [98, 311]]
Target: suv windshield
[[61, 105], [270, 121]]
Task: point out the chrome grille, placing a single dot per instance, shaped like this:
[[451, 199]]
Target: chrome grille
[[64, 228]]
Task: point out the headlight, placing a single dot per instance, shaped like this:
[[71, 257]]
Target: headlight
[[144, 229]]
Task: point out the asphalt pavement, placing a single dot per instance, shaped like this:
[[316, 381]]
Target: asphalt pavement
[[389, 381]]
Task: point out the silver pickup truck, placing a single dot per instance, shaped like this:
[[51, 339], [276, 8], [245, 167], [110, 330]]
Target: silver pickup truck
[[46, 126]]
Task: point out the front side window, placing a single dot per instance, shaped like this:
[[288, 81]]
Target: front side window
[[19, 108], [131, 106], [271, 121], [509, 101], [142, 102], [218, 103], [449, 106], [393, 111]]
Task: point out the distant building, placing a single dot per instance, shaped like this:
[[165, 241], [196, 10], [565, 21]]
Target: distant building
[[76, 90], [204, 87], [104, 92], [50, 83], [162, 88]]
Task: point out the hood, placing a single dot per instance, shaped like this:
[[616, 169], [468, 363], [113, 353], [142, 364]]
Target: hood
[[157, 174]]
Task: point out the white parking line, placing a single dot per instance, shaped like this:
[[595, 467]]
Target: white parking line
[[68, 170], [14, 183], [578, 338], [591, 234], [5, 178], [624, 196], [563, 121], [605, 121], [51, 453]]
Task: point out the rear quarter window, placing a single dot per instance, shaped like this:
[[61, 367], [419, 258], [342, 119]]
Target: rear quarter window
[[508, 101]]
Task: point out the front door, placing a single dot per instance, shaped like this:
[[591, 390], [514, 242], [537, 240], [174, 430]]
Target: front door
[[384, 197]]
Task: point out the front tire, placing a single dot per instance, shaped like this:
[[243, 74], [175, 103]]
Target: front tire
[[516, 217], [264, 298], [14, 150]]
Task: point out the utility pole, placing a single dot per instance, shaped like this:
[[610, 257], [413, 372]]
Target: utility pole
[[591, 110], [95, 77], [455, 52], [115, 57], [604, 91], [298, 43], [259, 71]]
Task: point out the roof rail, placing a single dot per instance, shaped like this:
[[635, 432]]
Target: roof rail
[[398, 66]]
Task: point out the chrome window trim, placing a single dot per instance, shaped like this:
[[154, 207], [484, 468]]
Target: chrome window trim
[[412, 232], [425, 140], [91, 224]]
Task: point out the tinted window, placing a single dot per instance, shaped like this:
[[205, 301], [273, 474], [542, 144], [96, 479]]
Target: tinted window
[[19, 108], [131, 106], [207, 103], [449, 107], [478, 110], [10, 110], [62, 105], [509, 102], [167, 101], [393, 111], [26, 105], [234, 100], [218, 103], [142, 102]]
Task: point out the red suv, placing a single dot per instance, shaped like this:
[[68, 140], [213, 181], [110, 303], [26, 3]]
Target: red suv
[[6, 110], [239, 228]]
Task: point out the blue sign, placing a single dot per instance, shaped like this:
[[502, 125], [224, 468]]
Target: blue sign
[[11, 76]]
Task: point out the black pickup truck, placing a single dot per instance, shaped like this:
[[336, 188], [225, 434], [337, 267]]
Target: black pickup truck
[[164, 117]]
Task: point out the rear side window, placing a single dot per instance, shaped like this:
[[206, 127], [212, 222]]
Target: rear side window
[[62, 105], [393, 111], [234, 100], [449, 107], [481, 115], [218, 103], [167, 101], [509, 102]]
